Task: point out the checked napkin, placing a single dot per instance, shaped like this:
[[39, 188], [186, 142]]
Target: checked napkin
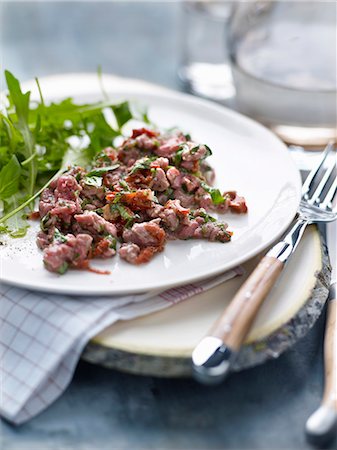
[[42, 337]]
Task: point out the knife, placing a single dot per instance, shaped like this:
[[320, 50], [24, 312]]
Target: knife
[[321, 427]]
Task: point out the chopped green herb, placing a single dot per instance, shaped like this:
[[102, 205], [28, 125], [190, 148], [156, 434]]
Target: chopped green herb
[[113, 241], [177, 157], [208, 152], [124, 213], [102, 170], [93, 181], [215, 194], [63, 268], [207, 217], [142, 164], [59, 237], [124, 185]]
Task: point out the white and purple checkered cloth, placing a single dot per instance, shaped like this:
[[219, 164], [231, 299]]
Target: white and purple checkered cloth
[[42, 337]]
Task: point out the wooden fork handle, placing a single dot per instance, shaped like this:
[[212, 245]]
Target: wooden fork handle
[[213, 356], [234, 324]]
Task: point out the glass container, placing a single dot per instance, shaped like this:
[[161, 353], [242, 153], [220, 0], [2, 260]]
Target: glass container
[[283, 58]]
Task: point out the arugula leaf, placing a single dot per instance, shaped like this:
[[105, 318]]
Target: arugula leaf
[[21, 104], [74, 157], [13, 134], [9, 178], [16, 226], [19, 100], [25, 130], [13, 212], [102, 135], [122, 113], [216, 195]]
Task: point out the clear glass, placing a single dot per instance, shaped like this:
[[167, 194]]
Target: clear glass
[[205, 68], [283, 57]]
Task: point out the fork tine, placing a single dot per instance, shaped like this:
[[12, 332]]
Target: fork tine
[[315, 198], [327, 203], [307, 185]]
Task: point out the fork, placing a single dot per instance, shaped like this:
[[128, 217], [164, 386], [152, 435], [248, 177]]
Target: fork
[[215, 353]]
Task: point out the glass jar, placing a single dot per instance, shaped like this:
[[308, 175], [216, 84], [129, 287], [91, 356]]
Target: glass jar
[[283, 58]]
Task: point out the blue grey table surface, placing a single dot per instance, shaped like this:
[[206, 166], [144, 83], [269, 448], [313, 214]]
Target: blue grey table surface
[[262, 408]]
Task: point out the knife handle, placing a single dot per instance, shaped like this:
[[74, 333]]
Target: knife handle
[[322, 424], [213, 355], [330, 356]]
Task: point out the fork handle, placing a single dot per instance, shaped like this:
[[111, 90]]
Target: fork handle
[[234, 324], [214, 354]]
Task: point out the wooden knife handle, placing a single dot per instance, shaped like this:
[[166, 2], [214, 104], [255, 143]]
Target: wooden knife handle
[[234, 324], [321, 427], [330, 356]]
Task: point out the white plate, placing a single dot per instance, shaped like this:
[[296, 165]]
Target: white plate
[[247, 158]]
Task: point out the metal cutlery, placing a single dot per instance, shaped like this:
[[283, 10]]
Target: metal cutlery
[[213, 356], [321, 426]]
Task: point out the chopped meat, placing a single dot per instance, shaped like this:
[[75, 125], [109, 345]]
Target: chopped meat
[[138, 200], [163, 163], [47, 201], [145, 234], [92, 222], [73, 251], [160, 182], [44, 239], [133, 254], [236, 203], [112, 179], [105, 247], [65, 209], [170, 146], [67, 188], [129, 252], [61, 199], [159, 190], [143, 131]]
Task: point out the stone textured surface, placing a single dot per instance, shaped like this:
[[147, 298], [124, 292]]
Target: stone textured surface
[[261, 408]]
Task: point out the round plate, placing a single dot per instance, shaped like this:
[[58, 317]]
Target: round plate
[[247, 158]]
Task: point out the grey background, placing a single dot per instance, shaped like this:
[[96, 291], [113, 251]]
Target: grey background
[[262, 408], [134, 39]]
